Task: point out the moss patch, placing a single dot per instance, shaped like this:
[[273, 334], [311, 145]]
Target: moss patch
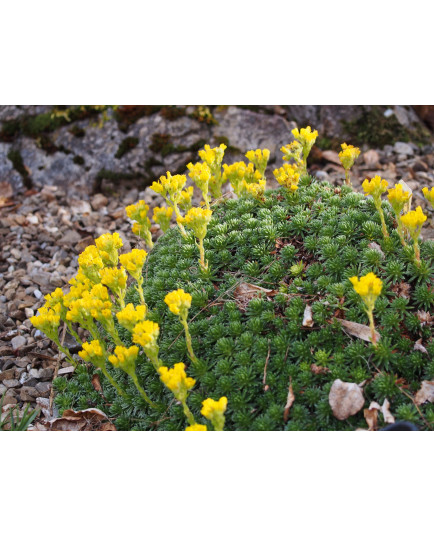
[[126, 146], [18, 164]]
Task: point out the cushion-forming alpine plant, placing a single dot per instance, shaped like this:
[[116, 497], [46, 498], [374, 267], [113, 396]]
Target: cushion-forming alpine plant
[[304, 247]]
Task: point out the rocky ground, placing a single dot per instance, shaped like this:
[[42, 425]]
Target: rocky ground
[[43, 229]]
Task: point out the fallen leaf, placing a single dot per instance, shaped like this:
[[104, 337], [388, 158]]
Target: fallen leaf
[[345, 399], [316, 369], [96, 383], [371, 415], [420, 347], [307, 317], [402, 290], [425, 393], [289, 402], [385, 410], [425, 318], [246, 292], [357, 330], [84, 420]]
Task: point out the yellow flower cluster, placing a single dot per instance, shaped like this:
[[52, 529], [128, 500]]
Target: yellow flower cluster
[[178, 301], [197, 220], [429, 195], [214, 411], [138, 212], [91, 263], [133, 262], [375, 187], [200, 174], [196, 428], [213, 157], [398, 198], [47, 321], [146, 333], [368, 285], [239, 174], [107, 245], [116, 280], [129, 316], [124, 358], [259, 159], [177, 381], [292, 151], [414, 220], [307, 139], [169, 187], [185, 197], [288, 176], [255, 189], [162, 216], [348, 155], [93, 352]]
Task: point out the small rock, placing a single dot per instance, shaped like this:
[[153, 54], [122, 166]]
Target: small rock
[[10, 384], [18, 341], [43, 388], [66, 370], [420, 165], [29, 394], [7, 375], [38, 294], [70, 238], [10, 397], [99, 201], [83, 243], [403, 148], [371, 159], [29, 312]]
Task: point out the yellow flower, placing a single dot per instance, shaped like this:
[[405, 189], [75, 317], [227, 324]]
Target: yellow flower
[[429, 195], [170, 187], [177, 381], [292, 150], [115, 279], [259, 159], [307, 139], [107, 245], [348, 155], [196, 428], [214, 411], [178, 301], [238, 172], [93, 352], [146, 333], [162, 216], [375, 187], [125, 358], [288, 176], [197, 219], [200, 174], [129, 316], [47, 321], [255, 190], [414, 220], [138, 212], [398, 198], [133, 262], [368, 285], [213, 157], [185, 198], [91, 263]]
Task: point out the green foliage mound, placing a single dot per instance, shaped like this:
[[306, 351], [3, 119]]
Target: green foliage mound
[[303, 247]]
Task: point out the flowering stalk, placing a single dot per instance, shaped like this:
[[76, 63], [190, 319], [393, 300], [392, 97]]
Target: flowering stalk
[[116, 280], [133, 263], [177, 381], [146, 334], [213, 158], [429, 195], [376, 187], [179, 302], [142, 224], [398, 198], [125, 359], [369, 288], [200, 174], [306, 138], [170, 188], [214, 411], [197, 219], [162, 216], [347, 156], [413, 222]]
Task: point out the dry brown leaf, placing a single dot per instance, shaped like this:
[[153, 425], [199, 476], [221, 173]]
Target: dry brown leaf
[[385, 410], [245, 292], [419, 346], [357, 330], [402, 290], [345, 399], [316, 369], [425, 393], [425, 318], [96, 383], [85, 420], [371, 416], [289, 402], [307, 317]]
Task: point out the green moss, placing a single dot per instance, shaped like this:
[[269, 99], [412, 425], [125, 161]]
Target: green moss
[[162, 144], [18, 164], [127, 115], [126, 145], [240, 343], [376, 130], [79, 160], [113, 176], [171, 113], [10, 130], [77, 131]]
